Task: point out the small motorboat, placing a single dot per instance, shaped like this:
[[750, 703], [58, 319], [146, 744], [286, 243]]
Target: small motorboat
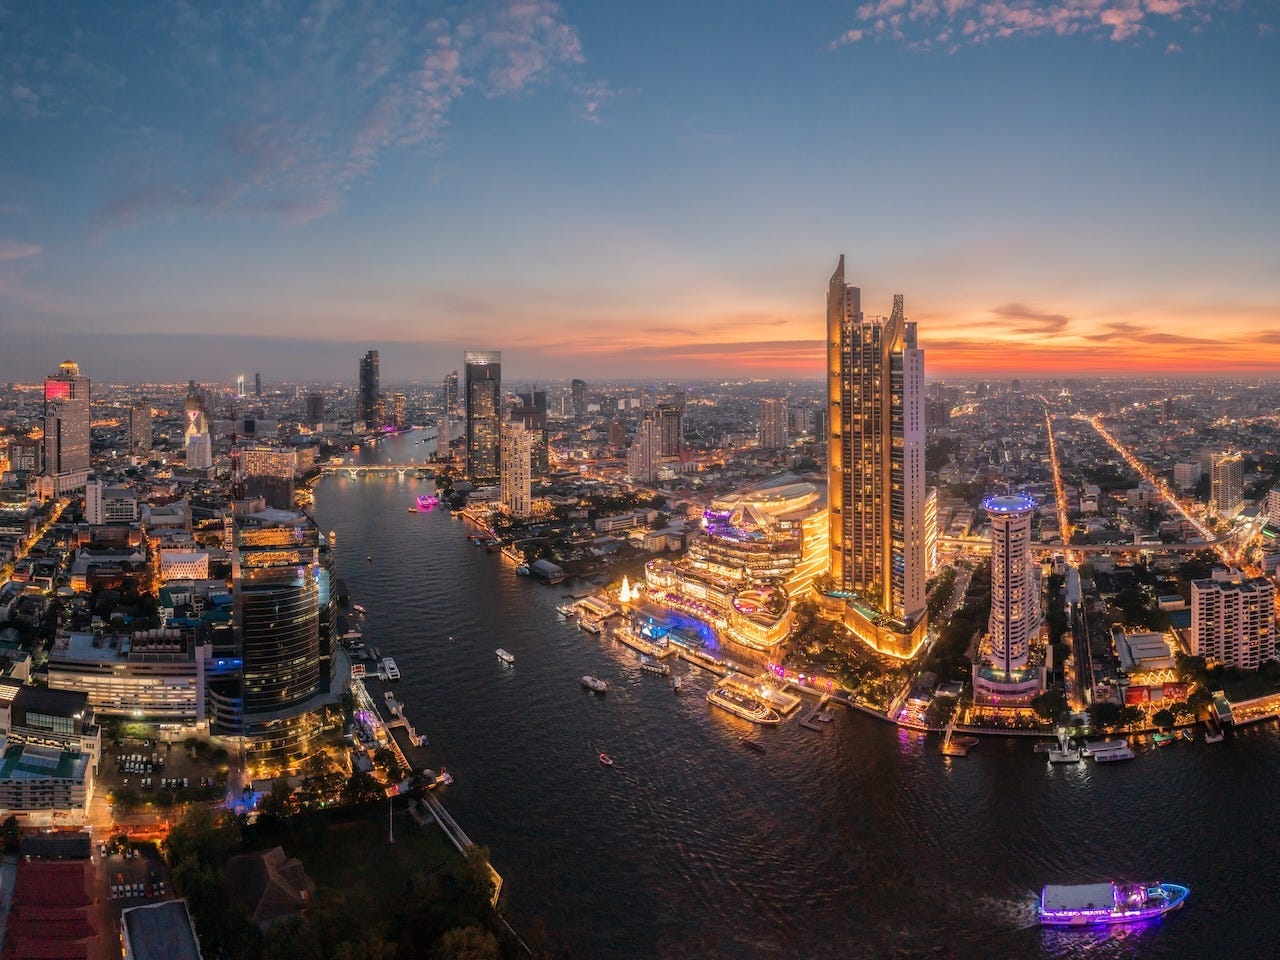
[[370, 559], [755, 745], [675, 683], [606, 759], [595, 684]]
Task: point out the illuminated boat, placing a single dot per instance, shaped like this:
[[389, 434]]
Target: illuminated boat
[[566, 610], [595, 684], [428, 502], [504, 656], [1086, 904], [655, 666], [744, 706]]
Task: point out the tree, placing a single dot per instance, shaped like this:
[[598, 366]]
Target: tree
[[384, 758], [361, 788], [1131, 715], [279, 801], [1105, 715], [468, 943], [11, 834], [1050, 705], [1164, 719]]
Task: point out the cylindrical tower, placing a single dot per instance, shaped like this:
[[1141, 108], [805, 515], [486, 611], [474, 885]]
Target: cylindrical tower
[[1015, 590]]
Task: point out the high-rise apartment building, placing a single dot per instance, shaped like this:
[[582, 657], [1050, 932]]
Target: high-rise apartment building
[[1233, 621], [284, 609], [1186, 475], [369, 399], [670, 422], [1226, 491], [257, 385], [579, 390], [66, 428], [399, 415], [196, 438], [451, 392], [269, 472], [483, 385], [315, 409], [517, 455], [140, 428], [1015, 585], [773, 424], [532, 415], [240, 394], [645, 453], [875, 464], [25, 455], [1273, 507]]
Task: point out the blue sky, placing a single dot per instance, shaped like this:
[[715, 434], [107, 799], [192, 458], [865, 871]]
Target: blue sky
[[636, 189]]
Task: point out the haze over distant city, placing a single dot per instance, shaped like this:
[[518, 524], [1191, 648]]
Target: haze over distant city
[[603, 190]]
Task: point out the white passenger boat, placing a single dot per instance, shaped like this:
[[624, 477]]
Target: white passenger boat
[[566, 610], [504, 656], [1086, 904], [744, 706], [1123, 752], [655, 666], [390, 669], [595, 684]]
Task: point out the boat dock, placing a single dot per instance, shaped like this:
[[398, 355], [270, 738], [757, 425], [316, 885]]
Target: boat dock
[[956, 746], [817, 716], [763, 689], [629, 637]]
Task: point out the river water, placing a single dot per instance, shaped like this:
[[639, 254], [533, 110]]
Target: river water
[[859, 841]]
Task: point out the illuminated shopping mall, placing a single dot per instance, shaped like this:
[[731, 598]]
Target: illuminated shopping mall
[[757, 554]]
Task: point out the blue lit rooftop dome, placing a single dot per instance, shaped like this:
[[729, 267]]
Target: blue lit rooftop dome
[[1005, 504]]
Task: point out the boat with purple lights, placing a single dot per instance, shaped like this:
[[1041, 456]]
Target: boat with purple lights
[[1086, 904]]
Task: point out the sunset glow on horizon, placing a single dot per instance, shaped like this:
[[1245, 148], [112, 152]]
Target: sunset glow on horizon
[[1057, 186]]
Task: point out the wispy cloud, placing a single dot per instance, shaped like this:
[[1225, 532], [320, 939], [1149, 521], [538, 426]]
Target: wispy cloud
[[279, 108], [949, 23], [1027, 320], [15, 250]]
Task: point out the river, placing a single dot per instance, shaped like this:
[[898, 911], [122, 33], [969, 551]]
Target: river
[[859, 841]]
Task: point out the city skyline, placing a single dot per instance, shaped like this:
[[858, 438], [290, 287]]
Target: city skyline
[[598, 193]]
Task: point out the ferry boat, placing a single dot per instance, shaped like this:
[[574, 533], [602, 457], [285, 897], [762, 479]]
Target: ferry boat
[[595, 684], [566, 610], [675, 683], [392, 671], [1123, 752], [755, 745], [504, 656], [744, 706], [1094, 747], [1085, 904], [589, 625], [655, 666]]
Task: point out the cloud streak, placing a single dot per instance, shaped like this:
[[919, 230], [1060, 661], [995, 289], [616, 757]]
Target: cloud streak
[[297, 102], [926, 24], [14, 250]]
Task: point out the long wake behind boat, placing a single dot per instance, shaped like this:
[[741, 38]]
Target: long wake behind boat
[[1085, 904]]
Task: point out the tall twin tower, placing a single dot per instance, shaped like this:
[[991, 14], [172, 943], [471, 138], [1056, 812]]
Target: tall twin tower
[[875, 470]]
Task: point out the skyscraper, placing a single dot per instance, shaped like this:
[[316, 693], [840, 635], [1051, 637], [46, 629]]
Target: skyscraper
[[140, 428], [196, 439], [240, 387], [399, 417], [368, 400], [484, 414], [282, 588], [257, 385], [645, 453], [315, 409], [579, 389], [517, 452], [1226, 492], [532, 414], [1233, 621], [773, 424], [670, 421], [875, 467], [451, 392], [1015, 602], [66, 428]]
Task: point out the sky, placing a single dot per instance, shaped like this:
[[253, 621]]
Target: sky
[[604, 190]]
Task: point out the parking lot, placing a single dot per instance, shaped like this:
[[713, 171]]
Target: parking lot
[[159, 772]]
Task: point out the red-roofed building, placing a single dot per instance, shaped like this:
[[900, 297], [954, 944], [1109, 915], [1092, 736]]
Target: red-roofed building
[[52, 916]]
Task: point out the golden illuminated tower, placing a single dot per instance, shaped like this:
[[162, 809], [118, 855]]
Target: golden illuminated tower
[[876, 489]]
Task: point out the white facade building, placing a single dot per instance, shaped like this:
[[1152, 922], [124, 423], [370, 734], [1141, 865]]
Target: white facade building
[[1233, 622], [104, 504], [516, 459], [1015, 602]]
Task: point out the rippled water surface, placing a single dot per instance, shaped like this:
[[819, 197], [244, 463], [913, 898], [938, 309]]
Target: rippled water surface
[[860, 841]]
